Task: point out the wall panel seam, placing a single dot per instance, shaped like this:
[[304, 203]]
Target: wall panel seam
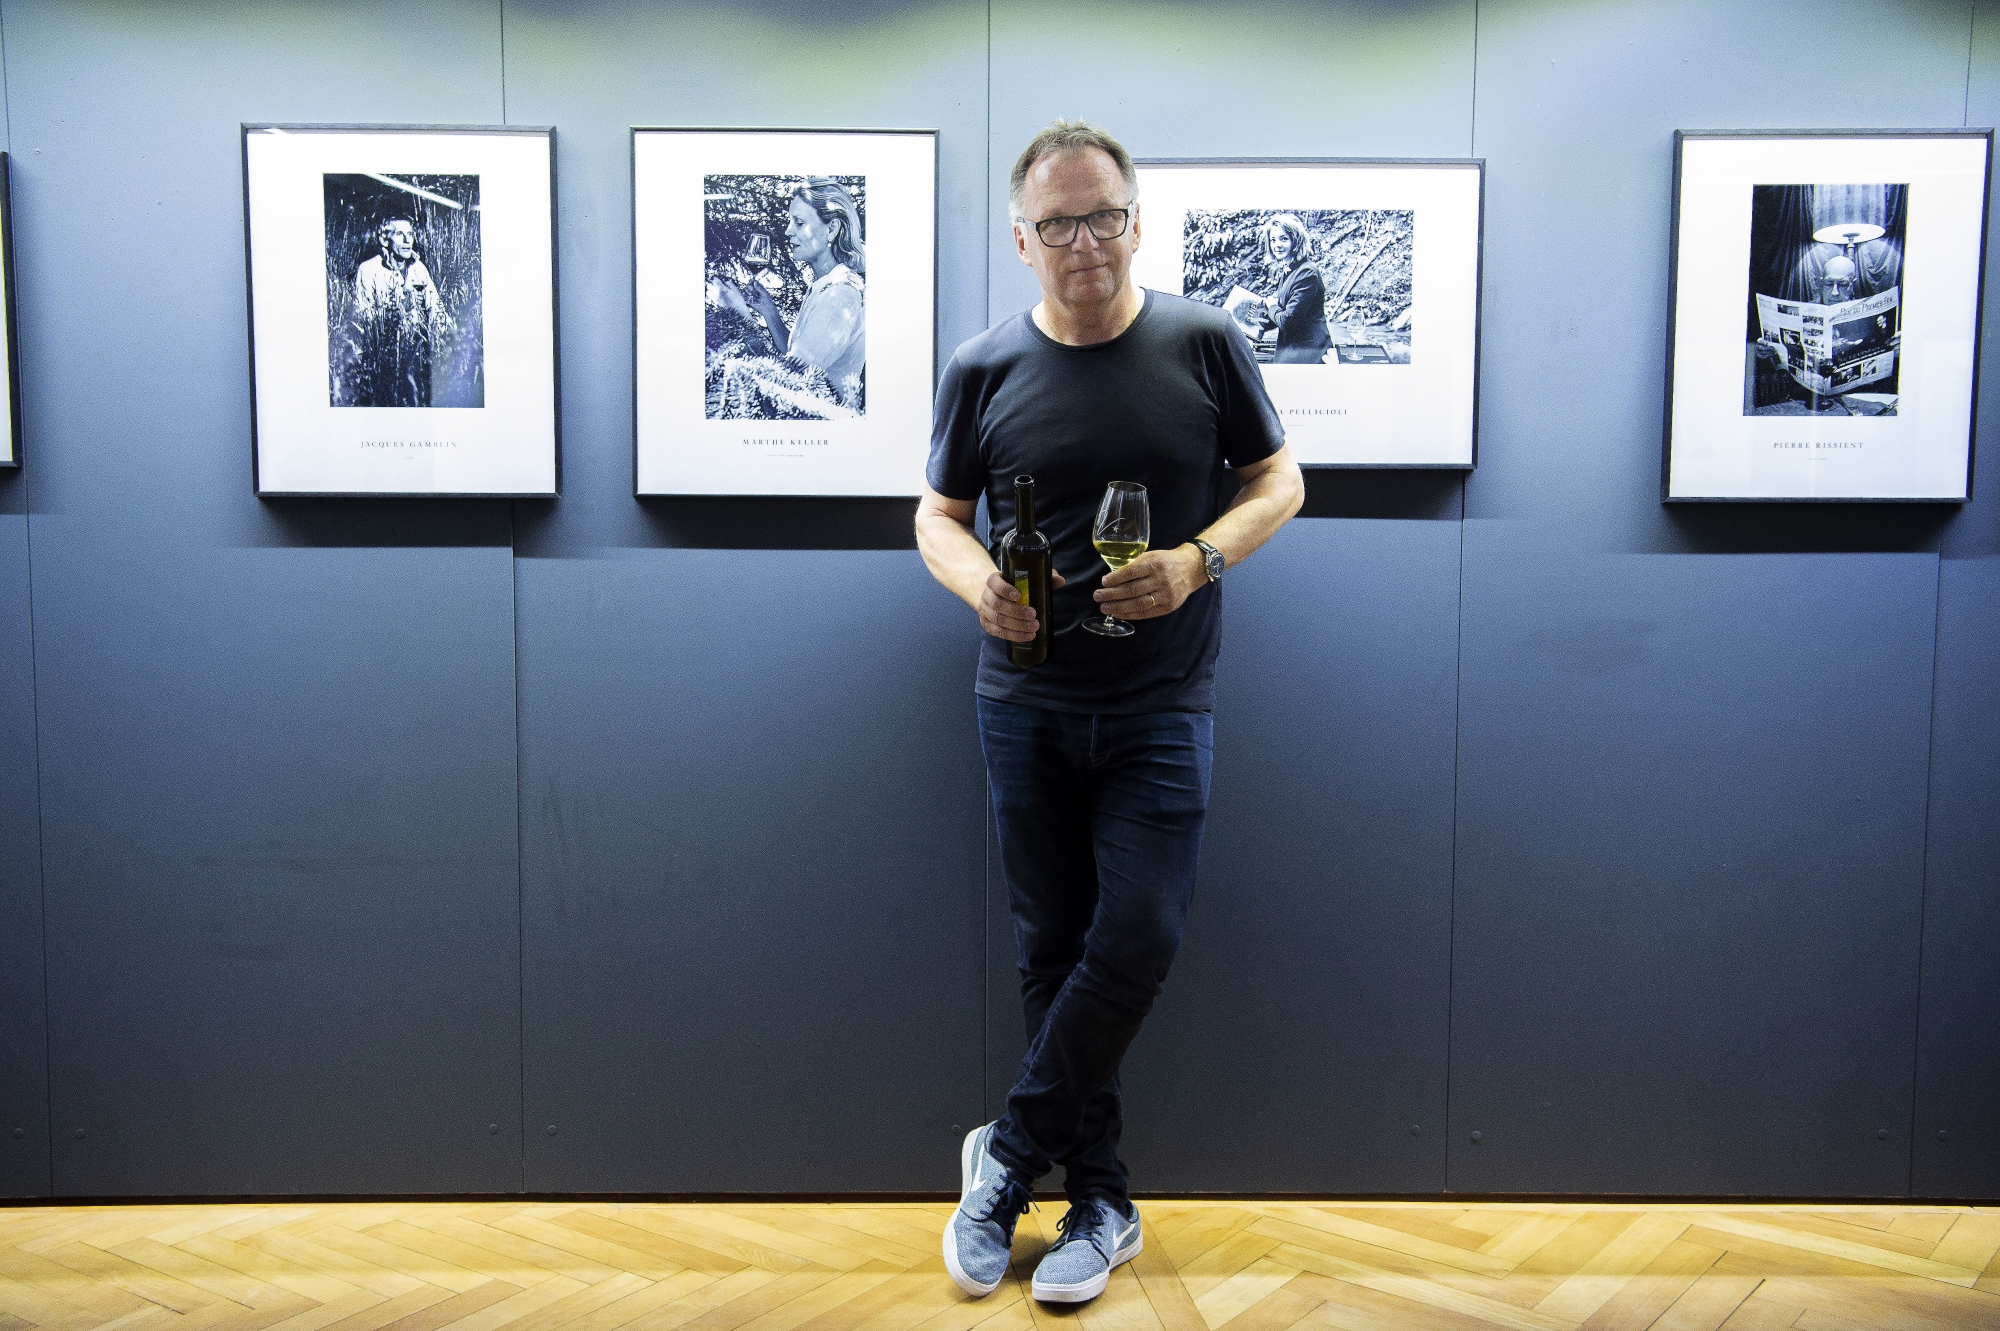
[[1458, 701], [1930, 765], [520, 869], [1457, 749], [1971, 47], [986, 217], [520, 786], [6, 105], [1472, 129], [41, 867], [1924, 877]]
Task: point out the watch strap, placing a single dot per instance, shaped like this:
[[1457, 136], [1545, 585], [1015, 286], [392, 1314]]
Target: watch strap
[[1211, 559]]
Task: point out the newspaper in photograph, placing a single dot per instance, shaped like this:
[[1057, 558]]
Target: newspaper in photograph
[[1832, 349]]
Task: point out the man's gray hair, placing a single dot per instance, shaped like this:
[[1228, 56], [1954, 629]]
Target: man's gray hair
[[1068, 136]]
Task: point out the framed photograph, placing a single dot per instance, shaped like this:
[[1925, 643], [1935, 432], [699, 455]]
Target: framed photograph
[[10, 382], [1823, 314], [1357, 282], [784, 291], [402, 290]]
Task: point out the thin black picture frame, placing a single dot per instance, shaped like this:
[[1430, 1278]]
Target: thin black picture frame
[[14, 431], [1479, 277], [555, 306], [1681, 136], [632, 174]]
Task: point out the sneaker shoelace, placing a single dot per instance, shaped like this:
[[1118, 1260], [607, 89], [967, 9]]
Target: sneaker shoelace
[[1086, 1223], [1009, 1202]]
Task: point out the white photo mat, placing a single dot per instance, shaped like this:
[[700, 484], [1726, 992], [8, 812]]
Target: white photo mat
[[1416, 414], [678, 448], [305, 445], [1715, 449]]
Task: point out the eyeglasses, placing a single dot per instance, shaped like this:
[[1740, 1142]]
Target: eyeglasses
[[1105, 224]]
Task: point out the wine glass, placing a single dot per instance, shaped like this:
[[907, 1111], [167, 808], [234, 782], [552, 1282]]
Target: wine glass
[[1123, 527], [757, 258]]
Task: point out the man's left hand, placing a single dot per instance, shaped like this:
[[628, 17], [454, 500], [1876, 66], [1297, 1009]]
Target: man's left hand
[[1154, 584]]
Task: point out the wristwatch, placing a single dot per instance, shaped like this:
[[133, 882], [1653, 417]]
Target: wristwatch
[[1211, 559]]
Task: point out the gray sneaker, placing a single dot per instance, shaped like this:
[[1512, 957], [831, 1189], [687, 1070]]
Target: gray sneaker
[[1096, 1238], [979, 1238]]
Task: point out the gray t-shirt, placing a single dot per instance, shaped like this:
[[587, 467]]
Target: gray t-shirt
[[1168, 403]]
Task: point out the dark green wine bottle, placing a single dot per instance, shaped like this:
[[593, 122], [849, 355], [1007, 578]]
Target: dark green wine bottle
[[1024, 557]]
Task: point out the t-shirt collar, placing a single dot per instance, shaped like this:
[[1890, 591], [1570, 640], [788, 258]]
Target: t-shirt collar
[[1144, 309]]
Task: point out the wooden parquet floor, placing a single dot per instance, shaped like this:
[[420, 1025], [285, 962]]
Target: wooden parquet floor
[[1244, 1266]]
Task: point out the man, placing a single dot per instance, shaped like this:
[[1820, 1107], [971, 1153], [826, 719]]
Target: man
[[1098, 759], [397, 321]]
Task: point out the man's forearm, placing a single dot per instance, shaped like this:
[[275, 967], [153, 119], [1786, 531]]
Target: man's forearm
[[1265, 503], [954, 556]]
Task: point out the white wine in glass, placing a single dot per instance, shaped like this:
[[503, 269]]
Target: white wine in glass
[[1123, 528]]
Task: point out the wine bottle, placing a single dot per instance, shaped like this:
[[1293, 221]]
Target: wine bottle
[[1024, 558]]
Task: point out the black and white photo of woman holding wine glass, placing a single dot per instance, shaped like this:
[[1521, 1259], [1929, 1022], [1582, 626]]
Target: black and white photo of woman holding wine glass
[[762, 364]]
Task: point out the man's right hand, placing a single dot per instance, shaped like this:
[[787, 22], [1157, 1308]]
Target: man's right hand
[[1003, 614]]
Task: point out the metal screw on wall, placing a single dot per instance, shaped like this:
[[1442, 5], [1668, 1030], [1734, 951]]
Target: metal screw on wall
[[492, 1128], [1882, 1134], [552, 1129], [1478, 1137], [1416, 1129]]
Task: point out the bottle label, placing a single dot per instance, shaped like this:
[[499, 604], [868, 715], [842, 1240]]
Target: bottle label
[[1021, 585]]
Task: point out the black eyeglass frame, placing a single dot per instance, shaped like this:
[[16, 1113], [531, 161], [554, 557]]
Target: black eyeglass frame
[[1082, 220]]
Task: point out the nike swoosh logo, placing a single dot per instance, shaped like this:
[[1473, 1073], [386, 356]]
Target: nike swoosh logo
[[1124, 1234]]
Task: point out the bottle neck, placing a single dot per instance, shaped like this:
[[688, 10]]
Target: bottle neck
[[1024, 507]]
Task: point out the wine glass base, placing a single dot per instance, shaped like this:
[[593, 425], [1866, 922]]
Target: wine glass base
[[1108, 627]]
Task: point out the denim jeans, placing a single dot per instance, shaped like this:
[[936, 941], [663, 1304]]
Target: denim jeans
[[1100, 821]]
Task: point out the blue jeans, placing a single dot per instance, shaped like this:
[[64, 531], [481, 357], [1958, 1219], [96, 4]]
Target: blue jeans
[[1100, 821]]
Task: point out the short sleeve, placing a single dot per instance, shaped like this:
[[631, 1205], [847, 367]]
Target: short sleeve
[[1250, 428], [956, 469]]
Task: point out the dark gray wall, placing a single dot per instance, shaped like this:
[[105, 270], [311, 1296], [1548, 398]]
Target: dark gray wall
[[278, 859], [1693, 741], [616, 845], [750, 793], [1956, 1126], [24, 1045]]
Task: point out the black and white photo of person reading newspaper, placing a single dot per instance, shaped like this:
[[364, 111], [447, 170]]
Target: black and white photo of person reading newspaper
[[786, 274], [1825, 316]]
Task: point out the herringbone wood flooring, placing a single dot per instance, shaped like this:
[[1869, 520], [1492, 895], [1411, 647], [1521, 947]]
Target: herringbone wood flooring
[[1244, 1266]]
